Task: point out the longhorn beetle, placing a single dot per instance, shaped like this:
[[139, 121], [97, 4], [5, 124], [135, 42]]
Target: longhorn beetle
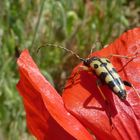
[[105, 72]]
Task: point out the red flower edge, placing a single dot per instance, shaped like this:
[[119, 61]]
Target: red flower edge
[[46, 115], [85, 102]]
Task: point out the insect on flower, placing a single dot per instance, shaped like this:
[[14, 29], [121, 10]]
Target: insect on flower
[[105, 72]]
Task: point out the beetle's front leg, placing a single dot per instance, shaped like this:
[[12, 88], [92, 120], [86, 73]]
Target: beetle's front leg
[[81, 68], [122, 56]]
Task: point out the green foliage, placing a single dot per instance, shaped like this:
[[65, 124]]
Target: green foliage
[[76, 25]]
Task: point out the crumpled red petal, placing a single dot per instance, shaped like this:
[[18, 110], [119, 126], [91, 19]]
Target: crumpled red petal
[[47, 117], [85, 102]]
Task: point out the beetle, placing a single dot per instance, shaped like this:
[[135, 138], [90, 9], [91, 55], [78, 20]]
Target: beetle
[[105, 72]]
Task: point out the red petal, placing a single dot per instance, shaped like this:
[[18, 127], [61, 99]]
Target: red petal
[[84, 101], [46, 116]]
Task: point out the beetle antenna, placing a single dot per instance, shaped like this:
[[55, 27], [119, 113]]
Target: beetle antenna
[[59, 46]]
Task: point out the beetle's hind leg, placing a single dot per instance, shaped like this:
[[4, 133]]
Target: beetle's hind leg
[[99, 83], [131, 85]]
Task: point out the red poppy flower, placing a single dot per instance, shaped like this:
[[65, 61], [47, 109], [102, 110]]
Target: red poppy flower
[[81, 112]]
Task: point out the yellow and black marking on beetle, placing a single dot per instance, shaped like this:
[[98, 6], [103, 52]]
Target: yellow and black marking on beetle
[[105, 72]]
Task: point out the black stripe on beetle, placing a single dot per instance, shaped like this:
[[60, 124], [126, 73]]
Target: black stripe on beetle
[[114, 70], [103, 64], [117, 80], [111, 84], [103, 75], [108, 61]]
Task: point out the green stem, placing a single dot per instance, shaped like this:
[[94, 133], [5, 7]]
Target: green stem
[[37, 24]]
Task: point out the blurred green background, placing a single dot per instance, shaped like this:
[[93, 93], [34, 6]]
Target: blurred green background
[[75, 24]]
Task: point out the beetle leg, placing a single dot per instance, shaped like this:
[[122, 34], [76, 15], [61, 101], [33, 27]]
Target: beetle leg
[[126, 57], [131, 85], [81, 68], [127, 83], [125, 65], [99, 83], [121, 56]]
